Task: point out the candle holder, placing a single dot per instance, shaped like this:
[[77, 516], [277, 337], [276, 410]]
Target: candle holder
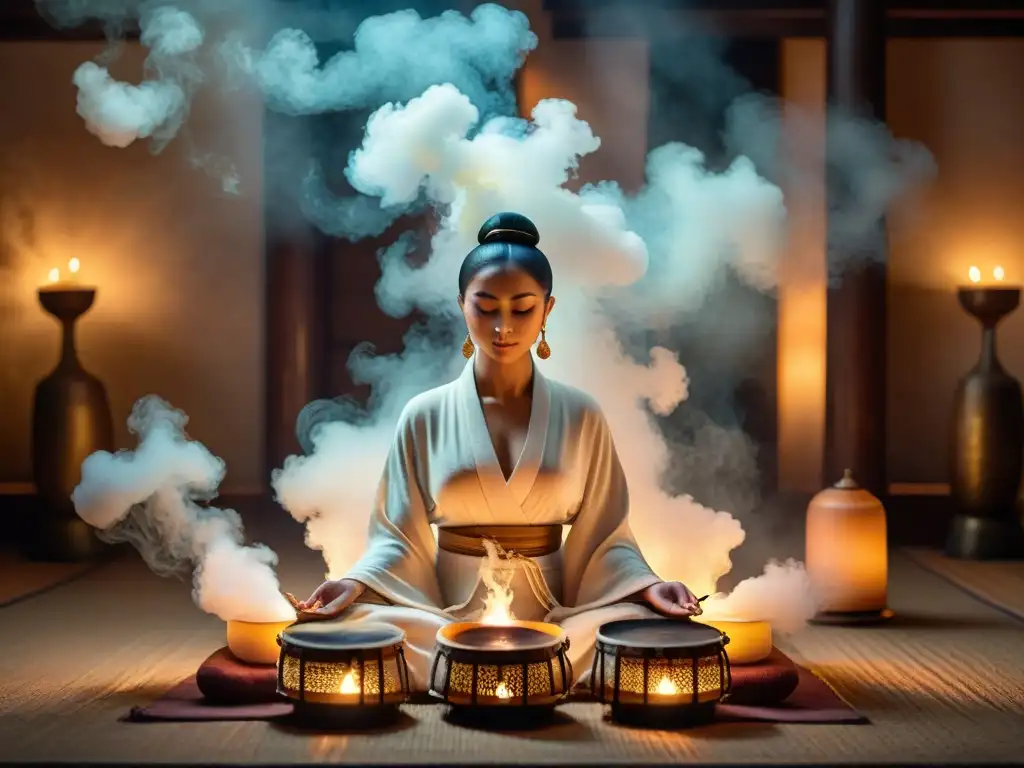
[[70, 420], [988, 441]]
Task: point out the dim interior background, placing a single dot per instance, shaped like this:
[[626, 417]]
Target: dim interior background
[[179, 263]]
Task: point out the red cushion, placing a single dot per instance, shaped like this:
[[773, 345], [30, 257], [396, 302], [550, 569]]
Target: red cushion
[[767, 682], [223, 679]]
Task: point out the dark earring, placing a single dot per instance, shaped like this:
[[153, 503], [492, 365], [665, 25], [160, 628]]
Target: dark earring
[[467, 347], [543, 350]]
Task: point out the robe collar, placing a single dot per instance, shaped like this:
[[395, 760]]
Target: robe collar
[[506, 499]]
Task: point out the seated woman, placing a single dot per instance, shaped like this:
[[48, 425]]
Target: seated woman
[[505, 454]]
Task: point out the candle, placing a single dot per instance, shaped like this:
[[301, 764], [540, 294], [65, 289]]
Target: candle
[[56, 282], [350, 683], [666, 687], [976, 278]]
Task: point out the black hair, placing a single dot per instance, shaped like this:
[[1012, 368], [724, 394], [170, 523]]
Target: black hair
[[507, 238]]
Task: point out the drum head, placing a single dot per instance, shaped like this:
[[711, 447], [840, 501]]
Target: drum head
[[658, 633], [341, 636]]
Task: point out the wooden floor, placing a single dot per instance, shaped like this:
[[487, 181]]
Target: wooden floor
[[943, 684]]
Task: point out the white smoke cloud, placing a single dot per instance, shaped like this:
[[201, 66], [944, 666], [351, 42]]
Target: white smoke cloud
[[783, 596], [394, 56], [121, 113], [151, 498], [426, 146]]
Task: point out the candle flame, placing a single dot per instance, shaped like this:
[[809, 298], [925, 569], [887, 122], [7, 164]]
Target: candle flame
[[666, 687], [502, 691], [350, 683], [998, 273], [54, 275], [74, 265], [975, 274]]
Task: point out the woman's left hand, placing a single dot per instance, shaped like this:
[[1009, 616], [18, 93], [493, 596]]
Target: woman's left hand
[[672, 598]]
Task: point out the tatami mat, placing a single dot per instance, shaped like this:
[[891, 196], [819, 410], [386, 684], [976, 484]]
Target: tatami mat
[[21, 578], [942, 683], [997, 582]]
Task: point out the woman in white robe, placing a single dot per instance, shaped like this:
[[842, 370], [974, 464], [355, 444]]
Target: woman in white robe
[[453, 465]]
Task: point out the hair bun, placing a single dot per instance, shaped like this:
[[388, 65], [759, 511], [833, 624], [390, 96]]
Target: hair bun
[[508, 227]]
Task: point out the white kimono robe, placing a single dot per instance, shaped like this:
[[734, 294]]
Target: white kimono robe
[[442, 470]]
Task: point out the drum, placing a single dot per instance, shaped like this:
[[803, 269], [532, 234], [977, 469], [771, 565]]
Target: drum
[[660, 672], [481, 668], [343, 672]]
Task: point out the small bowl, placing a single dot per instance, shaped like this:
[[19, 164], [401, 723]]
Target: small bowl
[[255, 642], [749, 641]]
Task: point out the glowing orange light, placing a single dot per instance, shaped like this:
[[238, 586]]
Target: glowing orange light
[[666, 687], [349, 683]]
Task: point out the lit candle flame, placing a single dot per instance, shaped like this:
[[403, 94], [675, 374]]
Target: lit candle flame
[[502, 691], [54, 275], [666, 687], [74, 265], [350, 684], [998, 273], [975, 274]]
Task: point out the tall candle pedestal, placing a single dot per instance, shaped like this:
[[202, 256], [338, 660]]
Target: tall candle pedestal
[[70, 420], [988, 442]]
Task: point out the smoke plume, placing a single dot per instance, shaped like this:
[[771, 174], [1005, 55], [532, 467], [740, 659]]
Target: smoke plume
[[629, 269], [153, 497], [120, 113], [783, 595]]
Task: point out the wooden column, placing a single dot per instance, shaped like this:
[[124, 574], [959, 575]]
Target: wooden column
[[296, 297], [855, 422]]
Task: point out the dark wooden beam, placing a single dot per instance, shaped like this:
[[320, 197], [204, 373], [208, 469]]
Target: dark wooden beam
[[855, 411], [21, 21], [295, 269], [777, 18]]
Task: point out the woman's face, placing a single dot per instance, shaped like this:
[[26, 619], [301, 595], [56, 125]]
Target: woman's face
[[504, 309]]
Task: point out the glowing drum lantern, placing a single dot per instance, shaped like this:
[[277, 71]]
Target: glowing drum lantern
[[344, 674], [660, 672], [847, 554], [519, 667]]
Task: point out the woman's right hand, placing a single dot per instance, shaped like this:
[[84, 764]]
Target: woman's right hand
[[332, 597]]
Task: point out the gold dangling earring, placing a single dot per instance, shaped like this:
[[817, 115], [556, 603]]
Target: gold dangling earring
[[467, 347], [543, 350]]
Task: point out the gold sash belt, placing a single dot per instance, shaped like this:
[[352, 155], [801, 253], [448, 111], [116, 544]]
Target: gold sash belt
[[525, 540]]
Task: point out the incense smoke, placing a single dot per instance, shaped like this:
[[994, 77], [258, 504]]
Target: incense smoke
[[782, 595], [628, 267], [121, 113], [152, 498]]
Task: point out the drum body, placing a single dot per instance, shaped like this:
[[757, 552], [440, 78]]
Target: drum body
[[660, 672], [519, 666], [336, 671]]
